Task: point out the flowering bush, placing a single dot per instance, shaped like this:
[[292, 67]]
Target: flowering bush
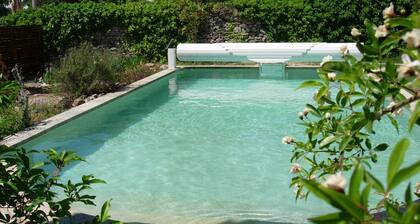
[[353, 95]]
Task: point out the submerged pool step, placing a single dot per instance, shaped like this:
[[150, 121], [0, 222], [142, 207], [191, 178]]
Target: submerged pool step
[[273, 70]]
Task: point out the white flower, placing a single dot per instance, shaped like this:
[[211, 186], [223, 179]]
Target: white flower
[[331, 75], [344, 50], [336, 182], [326, 59], [301, 115], [389, 12], [417, 192], [306, 111], [412, 38], [296, 168], [287, 140], [327, 115], [381, 31], [396, 112], [374, 77], [355, 32], [408, 67]]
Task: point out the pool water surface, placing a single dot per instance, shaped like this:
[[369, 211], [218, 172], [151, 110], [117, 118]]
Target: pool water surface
[[199, 146]]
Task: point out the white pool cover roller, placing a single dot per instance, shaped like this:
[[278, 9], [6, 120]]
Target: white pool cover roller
[[262, 52]]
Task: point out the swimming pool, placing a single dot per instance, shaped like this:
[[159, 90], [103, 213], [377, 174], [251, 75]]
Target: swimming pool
[[198, 146]]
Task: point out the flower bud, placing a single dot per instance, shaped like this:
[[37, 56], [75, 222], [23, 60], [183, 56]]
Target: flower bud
[[412, 38], [344, 50], [327, 115], [287, 140], [335, 182], [331, 76], [306, 111], [301, 115], [295, 168], [389, 11], [381, 31], [355, 32]]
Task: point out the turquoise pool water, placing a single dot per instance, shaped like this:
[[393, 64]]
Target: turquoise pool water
[[198, 146]]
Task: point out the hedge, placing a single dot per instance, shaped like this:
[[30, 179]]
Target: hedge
[[149, 25], [314, 20]]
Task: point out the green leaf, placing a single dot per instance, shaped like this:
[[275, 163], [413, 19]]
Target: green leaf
[[313, 110], [397, 158], [105, 212], [407, 196], [326, 141], [355, 181], [410, 214], [404, 174], [359, 102], [335, 199], [405, 22], [364, 199], [381, 147], [344, 142], [415, 116], [37, 165], [376, 184], [394, 123], [309, 83], [321, 92], [333, 218], [392, 211], [334, 66]]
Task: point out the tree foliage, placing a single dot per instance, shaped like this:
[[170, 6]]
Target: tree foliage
[[313, 20], [353, 96]]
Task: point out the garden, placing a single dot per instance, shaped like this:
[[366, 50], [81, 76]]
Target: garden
[[92, 48]]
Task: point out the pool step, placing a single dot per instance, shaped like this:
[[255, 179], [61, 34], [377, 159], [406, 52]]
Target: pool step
[[275, 70]]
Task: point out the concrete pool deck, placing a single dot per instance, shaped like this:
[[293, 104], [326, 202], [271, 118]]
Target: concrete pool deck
[[74, 112]]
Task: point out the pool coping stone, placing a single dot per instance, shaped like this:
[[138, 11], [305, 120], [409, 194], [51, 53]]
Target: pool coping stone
[[74, 112]]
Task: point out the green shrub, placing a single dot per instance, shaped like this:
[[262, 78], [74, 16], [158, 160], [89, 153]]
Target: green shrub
[[149, 26], [86, 70], [11, 121], [137, 72], [314, 20]]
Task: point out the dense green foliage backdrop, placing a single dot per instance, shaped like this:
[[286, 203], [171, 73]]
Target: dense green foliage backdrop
[[151, 24], [314, 20]]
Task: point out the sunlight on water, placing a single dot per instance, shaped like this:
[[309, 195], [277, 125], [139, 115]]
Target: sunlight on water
[[200, 146]]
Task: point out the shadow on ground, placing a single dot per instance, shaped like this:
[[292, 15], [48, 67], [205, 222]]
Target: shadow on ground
[[252, 222], [80, 218]]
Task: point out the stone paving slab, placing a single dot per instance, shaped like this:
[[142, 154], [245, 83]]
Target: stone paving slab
[[74, 112]]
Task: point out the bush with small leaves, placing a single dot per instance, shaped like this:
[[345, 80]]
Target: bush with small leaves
[[86, 70]]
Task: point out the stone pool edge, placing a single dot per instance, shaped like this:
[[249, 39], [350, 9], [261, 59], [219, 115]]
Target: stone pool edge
[[74, 112]]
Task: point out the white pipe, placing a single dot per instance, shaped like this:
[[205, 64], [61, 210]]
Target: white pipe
[[171, 58]]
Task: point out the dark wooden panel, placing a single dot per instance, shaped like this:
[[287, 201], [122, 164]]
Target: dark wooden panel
[[22, 45]]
